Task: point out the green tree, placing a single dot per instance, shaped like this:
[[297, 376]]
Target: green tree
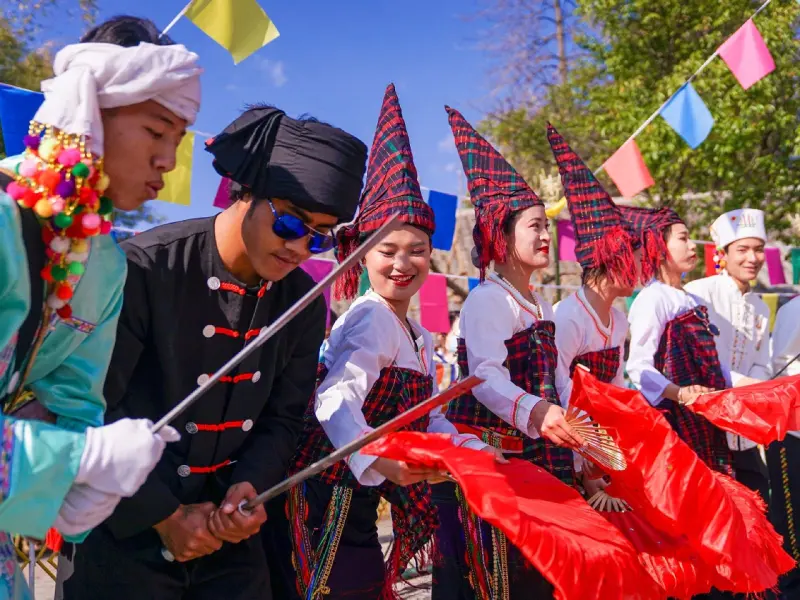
[[640, 52]]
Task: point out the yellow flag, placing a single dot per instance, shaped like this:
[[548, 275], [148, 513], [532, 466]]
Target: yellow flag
[[239, 26], [771, 300], [552, 211], [178, 182]]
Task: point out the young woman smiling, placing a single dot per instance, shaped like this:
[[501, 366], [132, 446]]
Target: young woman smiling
[[378, 364], [508, 340]]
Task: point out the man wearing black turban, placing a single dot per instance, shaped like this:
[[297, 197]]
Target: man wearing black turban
[[197, 292]]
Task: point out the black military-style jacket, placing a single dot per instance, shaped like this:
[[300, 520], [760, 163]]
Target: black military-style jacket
[[183, 317]]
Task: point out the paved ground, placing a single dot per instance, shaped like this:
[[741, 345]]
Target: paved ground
[[45, 587]]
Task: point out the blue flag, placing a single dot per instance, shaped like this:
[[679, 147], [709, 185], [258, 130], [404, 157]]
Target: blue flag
[[688, 115], [444, 209], [473, 283], [17, 108]]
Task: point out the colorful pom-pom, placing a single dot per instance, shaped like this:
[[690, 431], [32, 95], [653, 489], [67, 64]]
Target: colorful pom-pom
[[15, 190], [90, 221], [58, 272], [105, 228], [48, 148], [46, 274], [80, 170], [32, 141], [65, 188], [29, 198], [76, 268], [62, 220], [28, 167], [69, 157], [103, 183], [106, 205], [65, 312], [87, 195], [50, 179], [44, 209]]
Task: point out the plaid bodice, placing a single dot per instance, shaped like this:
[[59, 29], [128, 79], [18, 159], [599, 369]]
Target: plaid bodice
[[603, 364], [395, 391], [531, 363], [687, 354]]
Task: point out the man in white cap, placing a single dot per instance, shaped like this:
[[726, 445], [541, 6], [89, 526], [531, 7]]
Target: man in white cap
[[743, 321], [104, 136], [783, 457]]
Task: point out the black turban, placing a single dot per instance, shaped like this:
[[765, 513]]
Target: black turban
[[315, 166]]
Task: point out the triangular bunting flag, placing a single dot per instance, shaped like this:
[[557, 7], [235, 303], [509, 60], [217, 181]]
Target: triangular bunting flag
[[688, 115], [628, 170]]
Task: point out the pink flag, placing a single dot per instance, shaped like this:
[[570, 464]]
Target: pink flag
[[628, 171], [433, 311], [775, 266], [223, 199], [318, 269], [746, 55], [566, 240]]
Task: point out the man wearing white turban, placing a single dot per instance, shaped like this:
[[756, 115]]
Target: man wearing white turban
[[104, 137]]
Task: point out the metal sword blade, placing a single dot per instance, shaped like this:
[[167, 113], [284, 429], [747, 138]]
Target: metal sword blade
[[279, 323]]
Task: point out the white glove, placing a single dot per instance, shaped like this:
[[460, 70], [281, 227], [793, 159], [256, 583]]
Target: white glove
[[84, 508], [118, 458]]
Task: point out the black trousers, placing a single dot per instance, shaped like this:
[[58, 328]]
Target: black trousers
[[451, 572], [134, 569], [786, 497]]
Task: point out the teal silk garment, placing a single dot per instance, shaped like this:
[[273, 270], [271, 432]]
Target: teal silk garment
[[39, 461]]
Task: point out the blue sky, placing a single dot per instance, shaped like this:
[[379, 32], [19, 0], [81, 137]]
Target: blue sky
[[334, 60]]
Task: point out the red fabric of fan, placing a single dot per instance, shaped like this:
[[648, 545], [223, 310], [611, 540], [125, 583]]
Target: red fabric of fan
[[671, 562], [53, 540], [762, 412], [676, 492], [552, 525]]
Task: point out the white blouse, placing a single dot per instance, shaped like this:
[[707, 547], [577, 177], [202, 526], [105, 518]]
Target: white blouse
[[579, 330], [786, 341], [654, 307], [366, 339], [493, 313], [743, 340]]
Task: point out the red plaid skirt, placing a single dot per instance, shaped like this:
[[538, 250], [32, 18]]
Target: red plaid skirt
[[603, 364], [687, 355], [531, 362]]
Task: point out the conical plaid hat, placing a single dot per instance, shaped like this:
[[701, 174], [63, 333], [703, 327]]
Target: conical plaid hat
[[648, 224], [496, 189], [602, 236], [392, 188]]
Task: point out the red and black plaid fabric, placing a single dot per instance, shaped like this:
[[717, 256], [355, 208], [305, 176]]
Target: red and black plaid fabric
[[603, 364], [687, 355], [602, 236], [648, 224], [392, 189], [495, 188], [414, 519], [531, 363]]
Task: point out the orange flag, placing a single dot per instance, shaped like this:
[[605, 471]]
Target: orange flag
[[628, 170]]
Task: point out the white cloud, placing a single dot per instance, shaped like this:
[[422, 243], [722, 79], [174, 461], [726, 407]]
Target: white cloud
[[231, 87], [275, 70], [452, 167]]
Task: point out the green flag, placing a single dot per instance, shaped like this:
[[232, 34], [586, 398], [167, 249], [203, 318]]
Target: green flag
[[795, 266], [363, 283]]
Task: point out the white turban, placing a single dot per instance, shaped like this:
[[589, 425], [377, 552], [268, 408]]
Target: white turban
[[92, 76]]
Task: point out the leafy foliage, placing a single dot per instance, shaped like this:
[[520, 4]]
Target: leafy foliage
[[638, 53]]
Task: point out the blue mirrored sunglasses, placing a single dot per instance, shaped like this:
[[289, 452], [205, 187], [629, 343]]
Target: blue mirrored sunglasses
[[290, 227]]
